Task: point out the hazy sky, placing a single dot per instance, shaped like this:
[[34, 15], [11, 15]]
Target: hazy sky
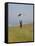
[[15, 9], [34, 13]]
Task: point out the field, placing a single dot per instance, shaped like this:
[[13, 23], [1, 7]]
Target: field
[[17, 34]]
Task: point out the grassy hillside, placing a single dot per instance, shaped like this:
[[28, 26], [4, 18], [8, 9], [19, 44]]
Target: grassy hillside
[[16, 34]]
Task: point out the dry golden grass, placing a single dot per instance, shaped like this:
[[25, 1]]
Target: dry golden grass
[[17, 34]]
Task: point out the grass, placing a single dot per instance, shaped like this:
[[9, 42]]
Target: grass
[[17, 34]]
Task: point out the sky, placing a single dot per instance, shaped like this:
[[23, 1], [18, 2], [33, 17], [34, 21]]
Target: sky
[[15, 9], [34, 13]]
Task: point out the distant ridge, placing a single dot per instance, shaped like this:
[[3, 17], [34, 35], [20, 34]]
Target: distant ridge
[[19, 24]]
